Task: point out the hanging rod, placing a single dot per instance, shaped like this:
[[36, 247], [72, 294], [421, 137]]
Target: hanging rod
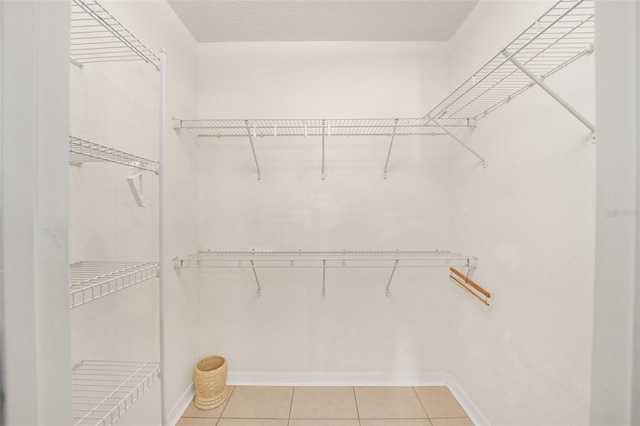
[[562, 35], [84, 151], [97, 36]]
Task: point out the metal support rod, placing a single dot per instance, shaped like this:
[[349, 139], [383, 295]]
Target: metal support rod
[[393, 135], [324, 270], [437, 123], [537, 80], [255, 275], [393, 271], [161, 228], [253, 149], [322, 172]]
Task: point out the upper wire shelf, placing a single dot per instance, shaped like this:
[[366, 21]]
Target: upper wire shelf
[[91, 280], [96, 36], [323, 259], [83, 151], [559, 37], [319, 127], [103, 390]]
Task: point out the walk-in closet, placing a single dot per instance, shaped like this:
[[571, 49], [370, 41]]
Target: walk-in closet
[[401, 213]]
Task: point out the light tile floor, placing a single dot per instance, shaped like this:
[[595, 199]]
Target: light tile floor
[[332, 406]]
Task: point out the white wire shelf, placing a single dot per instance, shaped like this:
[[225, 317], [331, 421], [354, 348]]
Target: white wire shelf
[[103, 390], [97, 36], [561, 36], [323, 259], [318, 127], [84, 151], [91, 280]]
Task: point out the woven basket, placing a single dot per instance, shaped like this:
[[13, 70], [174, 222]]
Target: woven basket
[[210, 380]]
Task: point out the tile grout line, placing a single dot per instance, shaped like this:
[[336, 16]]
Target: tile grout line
[[421, 404], [291, 405], [225, 405], [355, 398]]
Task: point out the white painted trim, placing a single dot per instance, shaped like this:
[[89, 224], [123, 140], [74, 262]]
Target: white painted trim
[[467, 404], [238, 378], [181, 405]]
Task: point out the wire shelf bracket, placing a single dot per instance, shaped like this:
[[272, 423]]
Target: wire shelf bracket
[[92, 280], [102, 391], [324, 260], [97, 36], [564, 34]]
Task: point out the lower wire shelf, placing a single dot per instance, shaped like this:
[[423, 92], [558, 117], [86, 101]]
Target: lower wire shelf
[[91, 280], [103, 390]]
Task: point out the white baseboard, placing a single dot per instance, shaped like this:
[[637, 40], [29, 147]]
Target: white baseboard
[[467, 404], [239, 378], [180, 406]]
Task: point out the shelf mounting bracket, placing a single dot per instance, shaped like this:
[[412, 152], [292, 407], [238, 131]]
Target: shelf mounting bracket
[[255, 275], [322, 170], [393, 271], [393, 135], [537, 80], [437, 123], [253, 150], [324, 270]]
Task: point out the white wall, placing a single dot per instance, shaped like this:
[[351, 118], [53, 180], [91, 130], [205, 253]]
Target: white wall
[[34, 111], [529, 217], [614, 397], [355, 328], [117, 104]]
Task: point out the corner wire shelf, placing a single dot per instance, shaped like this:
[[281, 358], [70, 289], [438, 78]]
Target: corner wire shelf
[[323, 128], [91, 280], [324, 260], [562, 35], [97, 36], [84, 151], [103, 390]]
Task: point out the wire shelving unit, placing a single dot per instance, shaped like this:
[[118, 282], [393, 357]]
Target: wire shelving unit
[[97, 36], [562, 35], [93, 280], [324, 260], [84, 151], [318, 127], [103, 391]]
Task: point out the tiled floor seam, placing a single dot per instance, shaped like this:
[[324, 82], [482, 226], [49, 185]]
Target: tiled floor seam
[[225, 405], [353, 389], [421, 404]]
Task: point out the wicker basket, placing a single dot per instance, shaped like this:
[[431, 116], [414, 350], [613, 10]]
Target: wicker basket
[[210, 380]]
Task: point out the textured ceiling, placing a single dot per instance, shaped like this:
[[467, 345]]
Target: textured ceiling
[[322, 20]]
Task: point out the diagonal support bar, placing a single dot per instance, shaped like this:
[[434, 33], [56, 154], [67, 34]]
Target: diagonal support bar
[[253, 150], [537, 80], [437, 123], [393, 271], [255, 275], [393, 136]]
